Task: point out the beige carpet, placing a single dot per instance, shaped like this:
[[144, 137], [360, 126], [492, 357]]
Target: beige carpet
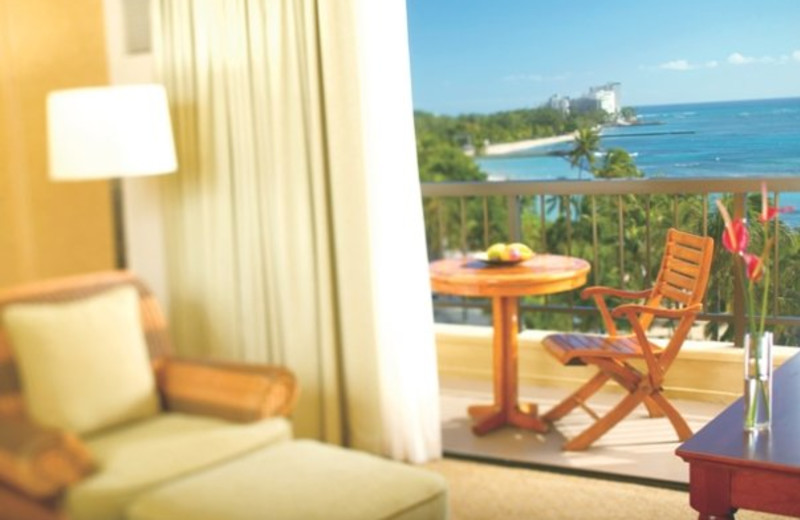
[[485, 491]]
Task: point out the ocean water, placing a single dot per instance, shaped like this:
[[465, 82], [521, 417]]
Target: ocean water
[[719, 139]]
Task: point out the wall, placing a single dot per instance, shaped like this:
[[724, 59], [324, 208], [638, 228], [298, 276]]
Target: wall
[[703, 371], [47, 229]]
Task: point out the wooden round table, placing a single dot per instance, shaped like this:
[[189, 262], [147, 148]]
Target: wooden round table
[[542, 274]]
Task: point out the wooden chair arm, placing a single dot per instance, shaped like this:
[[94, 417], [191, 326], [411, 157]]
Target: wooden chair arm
[[40, 461], [599, 290], [632, 308], [233, 391], [632, 312]]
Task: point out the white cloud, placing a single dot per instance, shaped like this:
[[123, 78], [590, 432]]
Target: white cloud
[[735, 58], [740, 59], [682, 65], [676, 65]]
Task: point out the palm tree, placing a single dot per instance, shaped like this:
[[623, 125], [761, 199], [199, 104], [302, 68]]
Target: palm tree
[[618, 163], [587, 142]]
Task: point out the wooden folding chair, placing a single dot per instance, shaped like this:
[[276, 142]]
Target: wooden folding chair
[[677, 295]]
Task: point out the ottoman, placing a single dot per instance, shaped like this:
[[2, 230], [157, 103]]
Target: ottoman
[[301, 480]]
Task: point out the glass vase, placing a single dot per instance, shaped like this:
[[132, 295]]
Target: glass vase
[[757, 381]]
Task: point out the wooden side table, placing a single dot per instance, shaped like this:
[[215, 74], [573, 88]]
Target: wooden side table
[[542, 274], [731, 469]]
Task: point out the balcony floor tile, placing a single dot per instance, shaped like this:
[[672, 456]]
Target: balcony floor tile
[[639, 447]]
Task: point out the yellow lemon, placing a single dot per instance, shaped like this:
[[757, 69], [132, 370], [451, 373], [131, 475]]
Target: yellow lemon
[[496, 251]]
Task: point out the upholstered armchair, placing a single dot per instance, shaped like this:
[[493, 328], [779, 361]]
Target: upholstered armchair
[[39, 460], [99, 421]]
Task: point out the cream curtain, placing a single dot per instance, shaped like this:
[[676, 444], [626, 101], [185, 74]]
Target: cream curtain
[[294, 226]]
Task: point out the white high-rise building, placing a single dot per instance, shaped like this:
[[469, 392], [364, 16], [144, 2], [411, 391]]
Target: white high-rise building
[[603, 97], [559, 103], [607, 97]]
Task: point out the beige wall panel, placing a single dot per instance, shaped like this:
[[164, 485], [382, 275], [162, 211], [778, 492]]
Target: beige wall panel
[[703, 371], [47, 229]]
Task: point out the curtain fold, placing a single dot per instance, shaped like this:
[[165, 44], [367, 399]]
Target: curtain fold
[[401, 291], [276, 248]]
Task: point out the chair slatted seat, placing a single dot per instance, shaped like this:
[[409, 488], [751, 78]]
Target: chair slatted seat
[[677, 295], [570, 348]]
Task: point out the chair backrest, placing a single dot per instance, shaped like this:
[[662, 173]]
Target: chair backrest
[[684, 273], [70, 289]]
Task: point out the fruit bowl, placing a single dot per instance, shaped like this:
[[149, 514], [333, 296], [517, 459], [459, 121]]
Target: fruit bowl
[[484, 257], [501, 253]]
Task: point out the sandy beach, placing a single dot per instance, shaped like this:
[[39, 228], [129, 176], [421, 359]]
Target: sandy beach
[[506, 148]]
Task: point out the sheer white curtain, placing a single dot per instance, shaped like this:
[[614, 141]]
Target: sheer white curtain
[[294, 226], [402, 301]]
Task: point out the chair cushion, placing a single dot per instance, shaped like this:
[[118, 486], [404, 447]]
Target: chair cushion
[[138, 457], [83, 364], [303, 480]]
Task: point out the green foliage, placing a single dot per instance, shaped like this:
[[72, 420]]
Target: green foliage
[[627, 258], [587, 143], [617, 163], [722, 284], [628, 113], [441, 144], [634, 262], [449, 224], [439, 161], [502, 127]]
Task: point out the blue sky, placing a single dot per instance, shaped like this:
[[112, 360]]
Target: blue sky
[[478, 56]]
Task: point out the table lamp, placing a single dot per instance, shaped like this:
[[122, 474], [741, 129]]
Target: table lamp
[[110, 132]]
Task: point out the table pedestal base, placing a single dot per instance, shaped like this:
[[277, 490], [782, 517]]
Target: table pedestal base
[[506, 410], [489, 417]]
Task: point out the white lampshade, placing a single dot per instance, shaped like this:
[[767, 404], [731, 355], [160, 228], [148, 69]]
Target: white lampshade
[[109, 132]]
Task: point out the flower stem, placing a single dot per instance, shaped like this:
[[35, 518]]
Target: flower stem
[[762, 340], [764, 257], [749, 297]]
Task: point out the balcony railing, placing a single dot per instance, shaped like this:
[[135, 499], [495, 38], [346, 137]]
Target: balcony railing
[[618, 225]]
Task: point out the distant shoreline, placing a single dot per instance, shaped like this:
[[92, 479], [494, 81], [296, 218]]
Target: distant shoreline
[[501, 149], [516, 146]]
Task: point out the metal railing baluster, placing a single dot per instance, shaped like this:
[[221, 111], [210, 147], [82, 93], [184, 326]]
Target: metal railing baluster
[[739, 311], [514, 232], [543, 221], [463, 231], [648, 245], [595, 243], [485, 222], [442, 226], [568, 217], [776, 263], [621, 236], [676, 222]]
